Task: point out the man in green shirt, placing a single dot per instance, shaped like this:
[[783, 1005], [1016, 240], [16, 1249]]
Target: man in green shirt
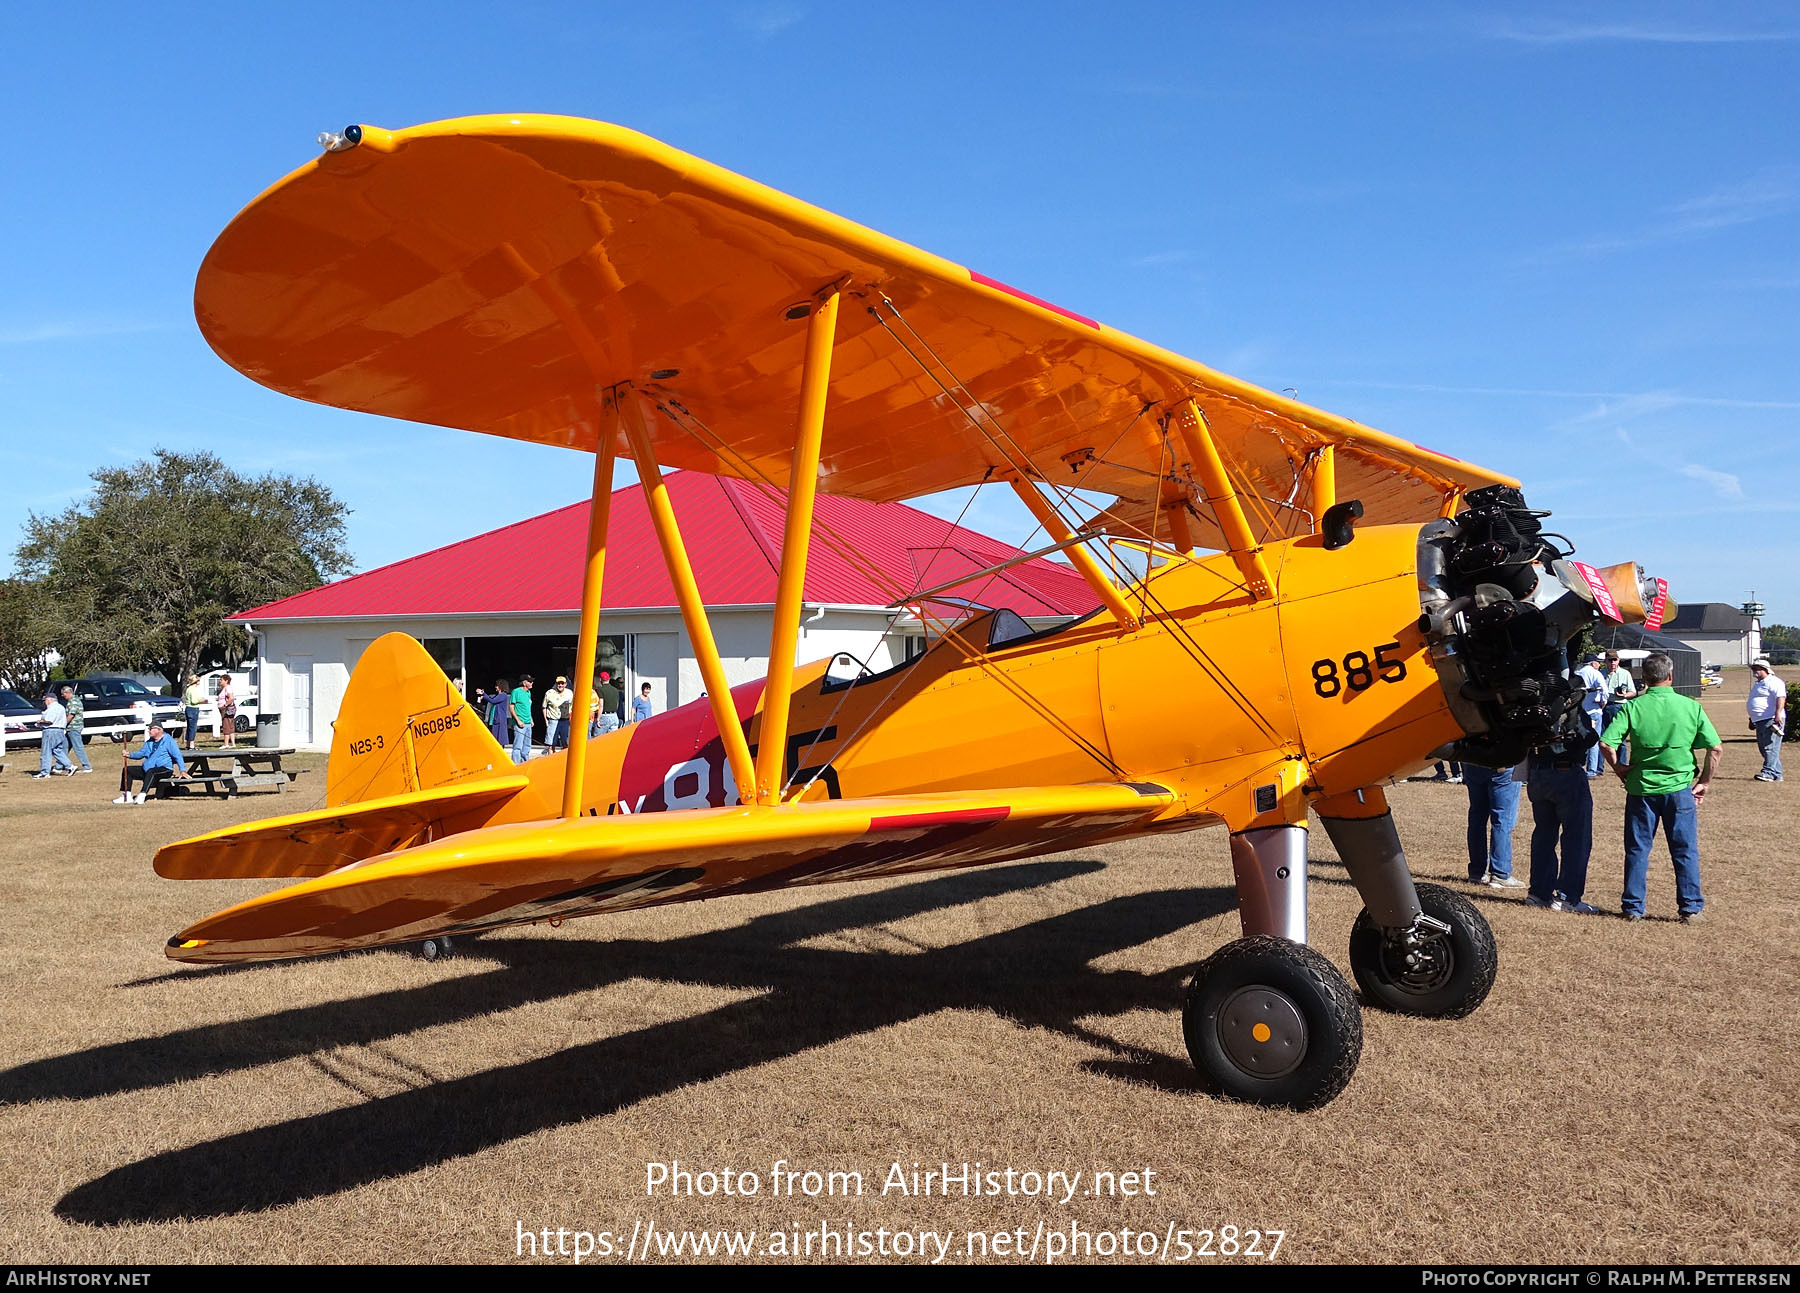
[[521, 707], [1666, 731]]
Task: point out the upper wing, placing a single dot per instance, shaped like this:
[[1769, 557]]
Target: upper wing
[[493, 273], [504, 875]]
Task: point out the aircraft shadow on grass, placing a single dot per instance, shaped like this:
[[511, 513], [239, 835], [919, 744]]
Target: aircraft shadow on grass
[[1039, 974]]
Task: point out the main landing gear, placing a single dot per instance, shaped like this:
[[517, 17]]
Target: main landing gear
[[1273, 1022], [1441, 968], [1270, 1021]]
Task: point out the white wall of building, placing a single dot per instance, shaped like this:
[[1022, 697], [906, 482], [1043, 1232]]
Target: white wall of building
[[1719, 649], [317, 657]]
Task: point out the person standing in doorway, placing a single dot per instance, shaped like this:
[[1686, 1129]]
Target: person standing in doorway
[[498, 715], [641, 707], [77, 711], [604, 717], [1493, 811], [521, 717], [192, 699], [612, 701], [559, 704], [1768, 716], [1667, 732]]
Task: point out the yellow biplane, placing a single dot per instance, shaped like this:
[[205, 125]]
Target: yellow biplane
[[1293, 609]]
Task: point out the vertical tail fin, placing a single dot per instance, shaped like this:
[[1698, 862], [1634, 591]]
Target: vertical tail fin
[[403, 727]]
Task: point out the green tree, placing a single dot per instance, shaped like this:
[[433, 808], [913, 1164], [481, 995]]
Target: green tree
[[1785, 635], [142, 574], [24, 636]]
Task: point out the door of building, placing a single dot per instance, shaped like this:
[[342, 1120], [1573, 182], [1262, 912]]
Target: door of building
[[298, 720]]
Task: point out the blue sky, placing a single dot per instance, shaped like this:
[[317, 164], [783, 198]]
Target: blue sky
[[1561, 242]]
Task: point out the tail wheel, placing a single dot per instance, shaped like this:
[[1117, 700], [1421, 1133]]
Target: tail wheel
[[433, 949], [1441, 977], [1272, 1022]]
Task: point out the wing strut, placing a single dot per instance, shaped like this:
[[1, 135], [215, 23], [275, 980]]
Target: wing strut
[[587, 644], [1324, 484], [687, 592], [1179, 529], [1054, 525], [803, 481], [1227, 509]]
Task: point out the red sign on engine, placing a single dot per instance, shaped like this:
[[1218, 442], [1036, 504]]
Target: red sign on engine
[[1603, 597]]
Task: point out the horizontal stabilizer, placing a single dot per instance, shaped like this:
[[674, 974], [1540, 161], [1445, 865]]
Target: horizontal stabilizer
[[319, 842], [553, 870]]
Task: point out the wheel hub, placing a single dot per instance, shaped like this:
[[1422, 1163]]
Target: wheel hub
[[1263, 1031], [1419, 965]]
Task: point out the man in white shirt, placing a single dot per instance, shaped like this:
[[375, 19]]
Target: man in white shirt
[[559, 702], [1768, 716], [53, 752], [1593, 706]]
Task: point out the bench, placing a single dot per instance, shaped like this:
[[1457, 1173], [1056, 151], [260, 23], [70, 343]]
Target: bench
[[228, 783], [227, 771]]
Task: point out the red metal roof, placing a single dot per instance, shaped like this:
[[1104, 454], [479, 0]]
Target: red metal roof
[[863, 554]]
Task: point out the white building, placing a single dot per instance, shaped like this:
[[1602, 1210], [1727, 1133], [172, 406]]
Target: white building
[[1721, 633], [507, 602]]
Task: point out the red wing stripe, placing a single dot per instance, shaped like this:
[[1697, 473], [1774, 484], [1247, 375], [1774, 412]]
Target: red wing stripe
[[912, 821], [998, 286]]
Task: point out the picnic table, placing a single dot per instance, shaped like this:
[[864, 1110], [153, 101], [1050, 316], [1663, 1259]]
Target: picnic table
[[227, 771]]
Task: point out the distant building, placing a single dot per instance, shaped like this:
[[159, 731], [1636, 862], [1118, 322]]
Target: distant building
[[1721, 633], [508, 601], [1632, 638]]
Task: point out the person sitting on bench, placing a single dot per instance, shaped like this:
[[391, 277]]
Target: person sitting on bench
[[161, 760]]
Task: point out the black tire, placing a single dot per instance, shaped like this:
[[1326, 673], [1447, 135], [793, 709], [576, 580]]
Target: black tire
[[1454, 974], [434, 949], [239, 723], [1270, 992]]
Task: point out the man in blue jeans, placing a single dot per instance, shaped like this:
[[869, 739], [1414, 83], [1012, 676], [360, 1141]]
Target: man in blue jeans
[[1562, 813], [1767, 707], [1667, 731], [1493, 810], [521, 713]]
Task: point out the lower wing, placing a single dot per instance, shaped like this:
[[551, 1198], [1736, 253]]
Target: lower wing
[[508, 875], [319, 842]]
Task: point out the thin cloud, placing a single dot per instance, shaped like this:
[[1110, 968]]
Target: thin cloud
[[1773, 191], [1161, 258], [1625, 408], [1143, 89], [72, 330], [766, 20], [1724, 484], [1670, 399], [1556, 31]]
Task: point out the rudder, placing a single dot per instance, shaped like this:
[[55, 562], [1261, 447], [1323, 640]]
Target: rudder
[[403, 727]]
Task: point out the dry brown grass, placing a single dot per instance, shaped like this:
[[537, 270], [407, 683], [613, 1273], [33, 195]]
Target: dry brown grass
[[1627, 1094]]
